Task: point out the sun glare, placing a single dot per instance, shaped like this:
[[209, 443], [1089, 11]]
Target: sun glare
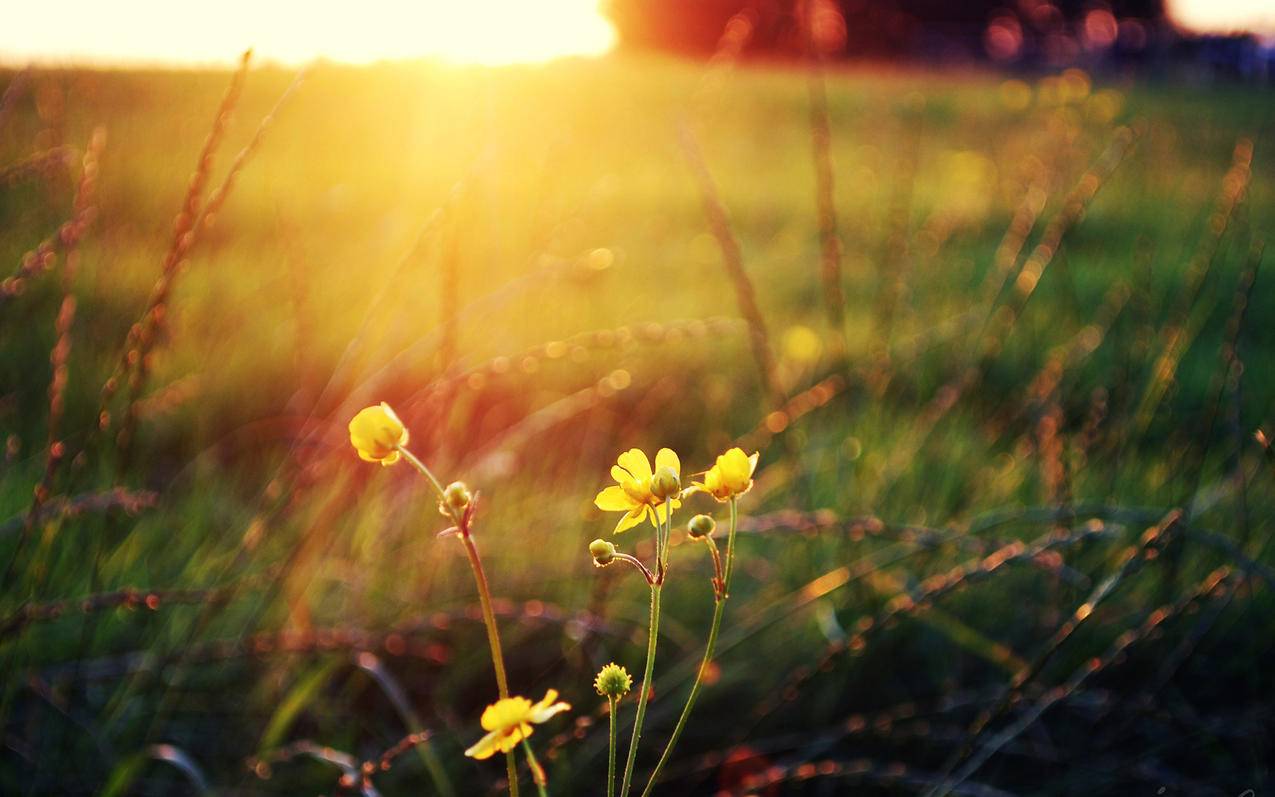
[[488, 32], [1224, 16]]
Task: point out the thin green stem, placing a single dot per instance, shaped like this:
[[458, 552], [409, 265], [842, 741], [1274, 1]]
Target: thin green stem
[[613, 705], [484, 599], [537, 771], [648, 673], [420, 466], [719, 609]]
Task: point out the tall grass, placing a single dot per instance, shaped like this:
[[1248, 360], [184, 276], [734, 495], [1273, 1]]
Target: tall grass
[[945, 578]]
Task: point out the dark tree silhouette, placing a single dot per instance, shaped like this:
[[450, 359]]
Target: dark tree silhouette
[[873, 28]]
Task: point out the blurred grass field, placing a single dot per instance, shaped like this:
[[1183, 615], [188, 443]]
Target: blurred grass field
[[518, 261]]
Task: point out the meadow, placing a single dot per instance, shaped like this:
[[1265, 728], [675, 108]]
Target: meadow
[[1003, 344]]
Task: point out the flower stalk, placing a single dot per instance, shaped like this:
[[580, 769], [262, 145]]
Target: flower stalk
[[644, 694], [612, 706], [537, 772], [462, 517], [721, 591]]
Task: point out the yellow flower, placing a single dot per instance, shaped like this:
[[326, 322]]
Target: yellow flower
[[632, 494], [730, 476], [376, 432], [508, 721]]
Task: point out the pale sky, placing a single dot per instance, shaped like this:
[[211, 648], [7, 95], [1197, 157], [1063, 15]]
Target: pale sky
[[359, 31], [295, 31]]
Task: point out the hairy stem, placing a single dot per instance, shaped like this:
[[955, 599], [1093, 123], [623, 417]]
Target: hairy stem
[[484, 600], [718, 610], [652, 636], [613, 705], [537, 771]]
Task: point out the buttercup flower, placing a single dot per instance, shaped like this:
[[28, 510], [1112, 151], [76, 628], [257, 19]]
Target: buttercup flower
[[376, 432], [632, 494], [508, 721], [730, 476]]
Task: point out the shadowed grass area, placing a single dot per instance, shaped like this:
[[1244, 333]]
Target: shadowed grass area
[[518, 261]]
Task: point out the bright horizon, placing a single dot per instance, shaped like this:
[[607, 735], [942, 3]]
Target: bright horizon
[[490, 32]]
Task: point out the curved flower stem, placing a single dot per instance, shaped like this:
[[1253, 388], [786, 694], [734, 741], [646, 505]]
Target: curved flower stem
[[484, 599], [613, 706], [537, 771], [718, 610], [633, 560], [653, 633]]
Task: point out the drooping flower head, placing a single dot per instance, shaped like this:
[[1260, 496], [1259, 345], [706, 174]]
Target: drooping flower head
[[730, 476], [632, 494], [603, 552], [376, 433], [509, 720]]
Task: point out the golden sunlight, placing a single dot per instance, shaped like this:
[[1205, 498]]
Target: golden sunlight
[[294, 31]]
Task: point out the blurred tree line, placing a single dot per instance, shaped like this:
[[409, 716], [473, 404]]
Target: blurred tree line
[[1018, 30]]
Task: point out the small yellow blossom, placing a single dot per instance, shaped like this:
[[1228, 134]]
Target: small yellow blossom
[[508, 721], [376, 433], [632, 493], [730, 476]]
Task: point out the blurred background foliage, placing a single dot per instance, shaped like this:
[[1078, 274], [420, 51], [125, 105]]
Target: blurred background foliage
[[518, 261]]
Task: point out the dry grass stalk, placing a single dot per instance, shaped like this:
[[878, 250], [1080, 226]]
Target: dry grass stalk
[[1180, 331], [153, 322], [733, 260], [59, 357], [1153, 541], [183, 227], [825, 190], [1208, 588]]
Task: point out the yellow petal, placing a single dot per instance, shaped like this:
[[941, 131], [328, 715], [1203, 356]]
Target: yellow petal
[[485, 747], [629, 520], [546, 708], [621, 476], [667, 458], [636, 463], [505, 713], [734, 465], [613, 499]]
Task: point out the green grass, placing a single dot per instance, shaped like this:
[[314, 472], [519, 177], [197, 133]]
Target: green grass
[[261, 498]]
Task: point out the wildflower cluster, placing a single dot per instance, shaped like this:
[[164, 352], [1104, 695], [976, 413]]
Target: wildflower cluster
[[649, 494], [642, 493]]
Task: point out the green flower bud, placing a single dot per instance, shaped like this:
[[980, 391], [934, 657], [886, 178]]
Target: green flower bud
[[701, 526], [603, 552], [457, 496], [613, 681], [665, 483]]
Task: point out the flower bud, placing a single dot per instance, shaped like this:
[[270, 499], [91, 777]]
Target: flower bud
[[665, 483], [457, 496], [603, 552], [613, 681], [701, 526]]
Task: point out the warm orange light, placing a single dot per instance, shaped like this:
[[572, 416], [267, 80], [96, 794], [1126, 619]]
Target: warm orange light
[[296, 31]]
